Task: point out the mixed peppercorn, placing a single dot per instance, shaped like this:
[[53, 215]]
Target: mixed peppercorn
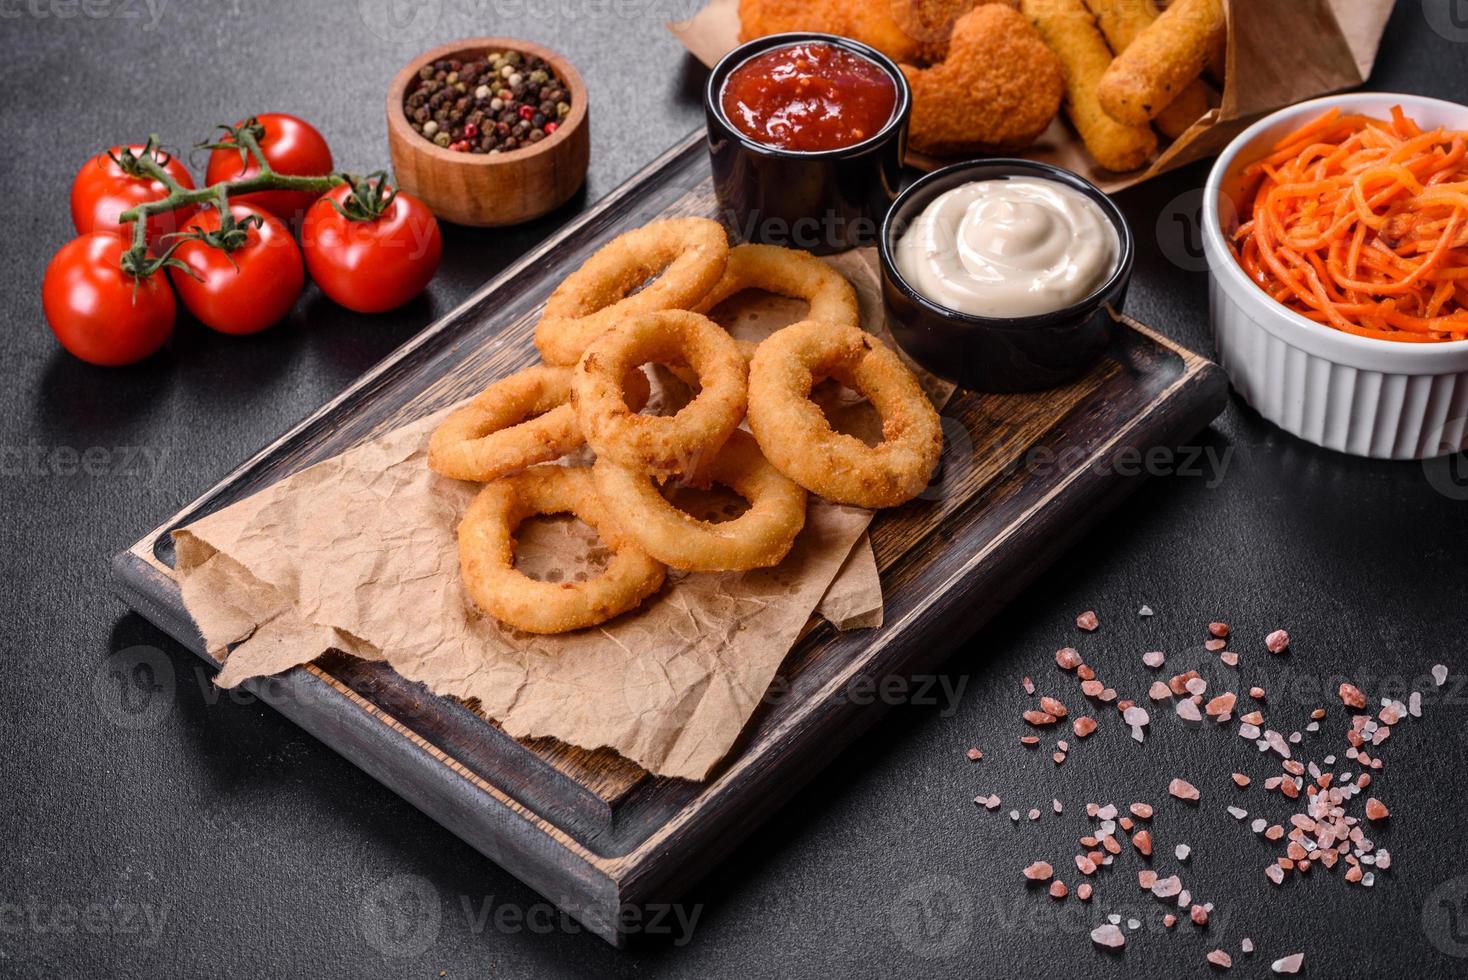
[[503, 101]]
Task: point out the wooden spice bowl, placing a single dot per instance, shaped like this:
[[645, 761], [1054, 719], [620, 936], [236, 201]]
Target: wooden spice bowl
[[481, 189]]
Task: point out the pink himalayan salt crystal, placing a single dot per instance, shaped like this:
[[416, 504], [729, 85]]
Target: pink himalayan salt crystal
[[1083, 891], [1229, 657], [1088, 621], [1039, 871], [1083, 726], [1376, 810], [1188, 711], [1154, 659], [1066, 658], [1169, 920], [1183, 789], [1289, 964], [1135, 716], [1058, 889], [1029, 685], [1219, 958], [1167, 887], [1147, 878], [1159, 691], [1141, 810], [1351, 696], [1221, 705], [1108, 935], [1277, 642]]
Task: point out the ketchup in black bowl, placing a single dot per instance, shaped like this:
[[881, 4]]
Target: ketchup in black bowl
[[807, 133]]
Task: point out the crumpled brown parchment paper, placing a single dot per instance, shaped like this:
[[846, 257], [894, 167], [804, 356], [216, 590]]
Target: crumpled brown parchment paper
[[359, 553]]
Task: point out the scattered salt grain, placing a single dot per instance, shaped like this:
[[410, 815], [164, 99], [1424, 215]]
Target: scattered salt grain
[[1414, 704], [1237, 813], [974, 755], [1058, 889], [1159, 691], [1114, 919], [1167, 887], [1182, 851], [1088, 621], [1134, 924], [1056, 805], [1154, 659], [1014, 815], [1135, 716], [1277, 642], [1145, 611], [1246, 945], [1183, 790], [1219, 958], [1109, 936], [1188, 711], [1034, 814], [1029, 685], [1440, 675], [1142, 811]]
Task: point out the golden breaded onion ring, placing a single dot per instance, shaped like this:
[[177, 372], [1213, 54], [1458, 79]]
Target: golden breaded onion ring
[[516, 422], [660, 445], [687, 255], [797, 438], [786, 272], [758, 538], [487, 555]]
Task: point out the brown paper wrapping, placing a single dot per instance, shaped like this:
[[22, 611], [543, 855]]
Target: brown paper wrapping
[[1280, 52], [359, 553]]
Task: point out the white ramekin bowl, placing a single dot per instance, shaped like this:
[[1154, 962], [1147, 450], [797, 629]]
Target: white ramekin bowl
[[1357, 395]]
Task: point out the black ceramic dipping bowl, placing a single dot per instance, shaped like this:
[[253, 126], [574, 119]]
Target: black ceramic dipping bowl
[[1026, 353], [822, 201]]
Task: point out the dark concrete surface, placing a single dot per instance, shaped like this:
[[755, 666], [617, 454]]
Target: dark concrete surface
[[150, 826]]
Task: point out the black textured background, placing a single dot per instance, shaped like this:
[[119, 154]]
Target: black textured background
[[258, 852]]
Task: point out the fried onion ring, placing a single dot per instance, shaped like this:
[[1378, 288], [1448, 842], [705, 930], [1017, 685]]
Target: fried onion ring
[[786, 272], [516, 422], [660, 445], [797, 438], [487, 555], [758, 538], [687, 255]]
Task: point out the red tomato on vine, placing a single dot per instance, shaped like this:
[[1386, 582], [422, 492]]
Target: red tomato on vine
[[290, 145], [110, 183], [100, 312], [239, 277], [369, 247]]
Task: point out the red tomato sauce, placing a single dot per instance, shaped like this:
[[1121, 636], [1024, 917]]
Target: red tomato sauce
[[809, 97]]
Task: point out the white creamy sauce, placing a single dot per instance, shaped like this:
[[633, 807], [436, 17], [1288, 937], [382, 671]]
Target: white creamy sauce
[[1009, 248]]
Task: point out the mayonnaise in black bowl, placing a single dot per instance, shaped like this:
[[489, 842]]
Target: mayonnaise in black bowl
[[1037, 333]]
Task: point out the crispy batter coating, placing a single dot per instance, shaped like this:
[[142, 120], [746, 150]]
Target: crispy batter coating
[[910, 31], [1122, 21], [997, 90], [1071, 31], [1163, 60]]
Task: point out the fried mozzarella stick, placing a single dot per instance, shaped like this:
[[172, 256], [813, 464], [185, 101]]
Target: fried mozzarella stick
[[1163, 60], [1070, 31], [1122, 21]]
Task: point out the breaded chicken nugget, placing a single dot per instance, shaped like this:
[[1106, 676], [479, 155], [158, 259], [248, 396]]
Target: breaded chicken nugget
[[997, 90], [1071, 32], [911, 31], [1121, 21], [760, 17], [1162, 61]]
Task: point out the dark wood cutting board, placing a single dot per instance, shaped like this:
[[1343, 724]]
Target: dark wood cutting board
[[1023, 477]]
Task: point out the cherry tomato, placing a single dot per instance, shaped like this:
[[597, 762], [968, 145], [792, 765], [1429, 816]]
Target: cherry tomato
[[100, 313], [103, 190], [248, 289], [375, 265], [290, 146]]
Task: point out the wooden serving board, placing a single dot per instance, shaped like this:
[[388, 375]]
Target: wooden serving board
[[590, 830]]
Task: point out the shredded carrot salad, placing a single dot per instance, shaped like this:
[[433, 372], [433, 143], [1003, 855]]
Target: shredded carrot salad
[[1362, 224]]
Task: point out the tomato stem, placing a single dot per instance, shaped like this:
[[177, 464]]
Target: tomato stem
[[136, 261]]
